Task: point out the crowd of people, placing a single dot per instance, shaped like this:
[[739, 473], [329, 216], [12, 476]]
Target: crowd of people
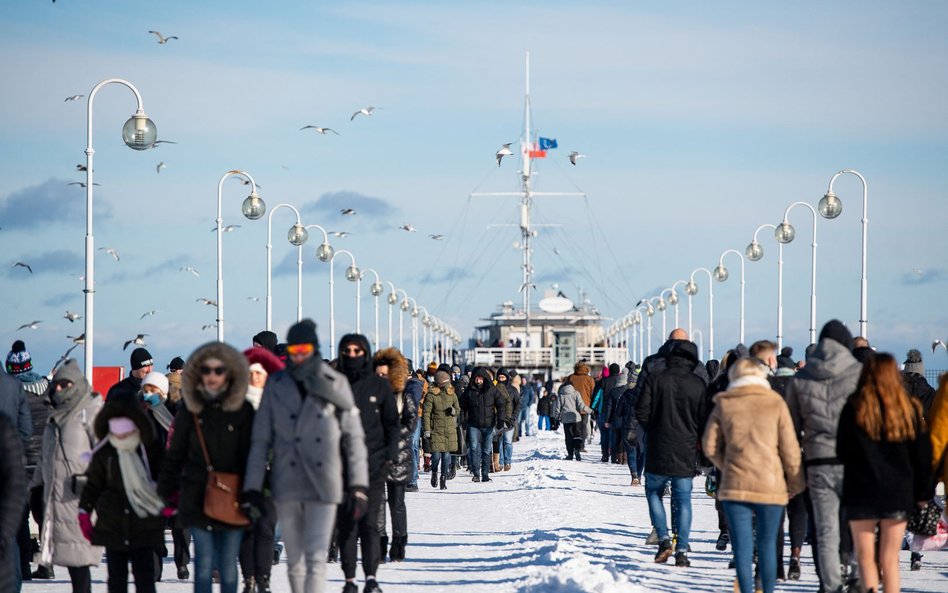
[[250, 455]]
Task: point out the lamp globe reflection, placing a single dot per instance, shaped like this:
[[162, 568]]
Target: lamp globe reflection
[[376, 289], [352, 273], [830, 206], [673, 298], [662, 305], [253, 207], [785, 232], [405, 305], [720, 273], [392, 298], [139, 132], [297, 235], [754, 251], [691, 288]]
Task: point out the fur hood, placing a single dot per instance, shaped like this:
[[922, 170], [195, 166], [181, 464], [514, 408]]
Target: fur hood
[[236, 392], [397, 367], [581, 368]]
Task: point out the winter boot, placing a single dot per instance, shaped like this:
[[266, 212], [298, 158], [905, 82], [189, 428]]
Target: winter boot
[[434, 478], [371, 587], [427, 466], [453, 470], [665, 551], [723, 539], [250, 585], [681, 560], [495, 464], [383, 548], [652, 539], [444, 483], [399, 543], [476, 478], [793, 571], [916, 561], [263, 585], [44, 572], [506, 467], [578, 456], [350, 587]]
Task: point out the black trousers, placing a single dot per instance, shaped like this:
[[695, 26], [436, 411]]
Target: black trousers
[[182, 550], [81, 578], [23, 542], [143, 569], [365, 529], [574, 438], [256, 549], [396, 505]]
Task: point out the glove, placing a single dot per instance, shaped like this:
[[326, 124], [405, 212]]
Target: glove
[[85, 524], [427, 434], [251, 503], [359, 501], [449, 412]]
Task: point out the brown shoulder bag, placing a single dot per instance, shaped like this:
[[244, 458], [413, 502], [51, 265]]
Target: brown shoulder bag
[[221, 493]]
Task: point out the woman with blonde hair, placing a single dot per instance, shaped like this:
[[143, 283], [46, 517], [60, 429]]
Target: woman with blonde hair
[[883, 445], [750, 438]]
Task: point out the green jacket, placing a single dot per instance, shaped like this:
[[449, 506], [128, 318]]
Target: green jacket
[[437, 419]]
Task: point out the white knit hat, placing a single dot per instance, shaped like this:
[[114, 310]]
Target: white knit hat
[[158, 380]]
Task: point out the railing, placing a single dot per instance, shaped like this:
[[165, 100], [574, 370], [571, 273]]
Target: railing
[[540, 357]]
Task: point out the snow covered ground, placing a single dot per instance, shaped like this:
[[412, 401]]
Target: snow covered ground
[[546, 526]]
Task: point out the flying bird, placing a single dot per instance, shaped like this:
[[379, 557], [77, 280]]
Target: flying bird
[[320, 130], [33, 325], [938, 343], [407, 227], [347, 212], [148, 313], [64, 357], [138, 340], [340, 234], [20, 264], [72, 316], [162, 39], [504, 151], [247, 181], [363, 111], [574, 156], [81, 168], [189, 269], [80, 339], [208, 326], [254, 299], [556, 251], [82, 184], [524, 285], [111, 251], [157, 142], [73, 98], [437, 237], [205, 301], [160, 166], [227, 228]]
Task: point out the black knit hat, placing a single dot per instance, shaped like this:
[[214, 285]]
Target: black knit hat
[[303, 332], [140, 358], [176, 364], [266, 339], [835, 330]]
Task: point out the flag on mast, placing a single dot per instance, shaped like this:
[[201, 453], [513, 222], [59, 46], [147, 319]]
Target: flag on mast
[[535, 152], [547, 143]]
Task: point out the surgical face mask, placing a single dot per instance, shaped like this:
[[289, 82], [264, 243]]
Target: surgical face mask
[[153, 399]]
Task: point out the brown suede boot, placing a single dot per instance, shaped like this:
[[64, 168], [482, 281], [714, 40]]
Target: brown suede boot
[[496, 462]]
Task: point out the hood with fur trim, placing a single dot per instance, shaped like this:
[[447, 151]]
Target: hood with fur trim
[[192, 390], [581, 368], [397, 367]]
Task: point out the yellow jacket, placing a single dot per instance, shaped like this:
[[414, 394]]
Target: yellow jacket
[[938, 429]]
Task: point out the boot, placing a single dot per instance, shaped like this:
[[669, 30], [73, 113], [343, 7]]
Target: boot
[[263, 585], [383, 549], [399, 543], [495, 467], [250, 585], [44, 572], [434, 478], [444, 485], [427, 466]]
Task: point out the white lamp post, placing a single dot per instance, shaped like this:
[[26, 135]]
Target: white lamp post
[[425, 332], [721, 274], [392, 299], [785, 234], [352, 275], [402, 307], [375, 290], [638, 321], [414, 329], [673, 299], [831, 207], [700, 341], [692, 289], [755, 252], [139, 133], [253, 208], [297, 235]]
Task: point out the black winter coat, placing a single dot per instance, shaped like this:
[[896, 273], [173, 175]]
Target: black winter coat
[[380, 421], [400, 472], [129, 386], [117, 527], [543, 406], [673, 409], [13, 500], [485, 406], [918, 386]]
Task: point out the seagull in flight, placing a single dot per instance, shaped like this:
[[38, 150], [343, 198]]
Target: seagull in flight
[[340, 234], [556, 251], [33, 325], [938, 343], [205, 301], [160, 166], [65, 356], [80, 339], [20, 264], [189, 269], [407, 227], [81, 168], [73, 98], [111, 251], [162, 39], [254, 299], [208, 326], [148, 313], [363, 111], [320, 130], [437, 237], [228, 228], [72, 316], [347, 211], [82, 184], [574, 156], [138, 340], [504, 151], [246, 181], [157, 142]]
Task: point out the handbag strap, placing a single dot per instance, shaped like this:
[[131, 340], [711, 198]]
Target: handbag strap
[[200, 433]]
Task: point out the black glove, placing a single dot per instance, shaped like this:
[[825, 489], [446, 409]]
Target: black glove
[[251, 503], [554, 424], [449, 412], [359, 502]]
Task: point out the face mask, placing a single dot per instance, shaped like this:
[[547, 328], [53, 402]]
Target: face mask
[[152, 399], [352, 363]]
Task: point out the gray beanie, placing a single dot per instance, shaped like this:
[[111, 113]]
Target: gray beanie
[[913, 362]]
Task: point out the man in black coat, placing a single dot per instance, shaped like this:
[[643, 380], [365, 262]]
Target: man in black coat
[[376, 402], [672, 408], [141, 364], [484, 406]]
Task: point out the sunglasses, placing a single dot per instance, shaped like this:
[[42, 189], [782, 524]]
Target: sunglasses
[[295, 349], [354, 350], [219, 371]]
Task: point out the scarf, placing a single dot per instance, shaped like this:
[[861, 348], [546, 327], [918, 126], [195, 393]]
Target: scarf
[[66, 401], [162, 415], [139, 489], [749, 380], [254, 395], [309, 377]]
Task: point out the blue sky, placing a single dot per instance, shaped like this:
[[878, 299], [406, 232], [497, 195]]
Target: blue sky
[[700, 122]]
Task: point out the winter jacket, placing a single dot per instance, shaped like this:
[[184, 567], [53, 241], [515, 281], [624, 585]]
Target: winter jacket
[[511, 406], [938, 431], [35, 387], [226, 423], [485, 407], [916, 385], [816, 396], [582, 382], [750, 438], [117, 527], [440, 419], [882, 475], [14, 406], [312, 439], [569, 407], [128, 386], [13, 499], [672, 408], [174, 389], [406, 405], [528, 395], [611, 397], [61, 539], [543, 406]]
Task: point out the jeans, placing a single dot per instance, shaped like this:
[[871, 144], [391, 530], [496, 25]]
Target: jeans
[[635, 459], [605, 441], [444, 459], [543, 422], [825, 485], [506, 447], [523, 422], [307, 532], [218, 549], [740, 519], [143, 568], [681, 498], [480, 446], [415, 440]]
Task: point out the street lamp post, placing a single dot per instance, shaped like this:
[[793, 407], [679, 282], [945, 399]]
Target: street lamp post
[[392, 299], [425, 333], [375, 290], [673, 299], [721, 274], [352, 275], [414, 329], [402, 307], [638, 320], [831, 207], [692, 289], [635, 334], [700, 341], [253, 208], [297, 235], [785, 234], [755, 252], [139, 133]]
